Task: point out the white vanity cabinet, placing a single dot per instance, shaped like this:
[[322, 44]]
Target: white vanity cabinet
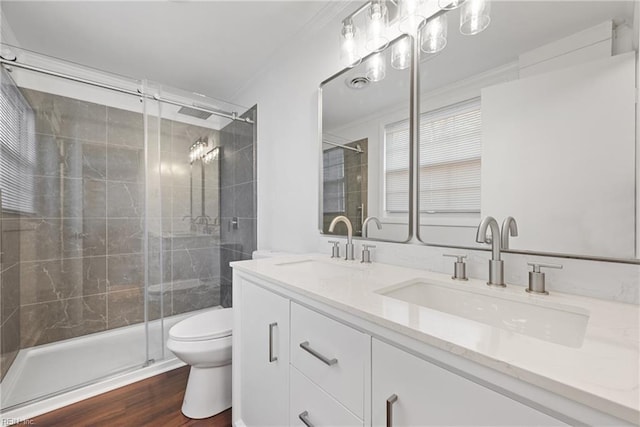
[[298, 361], [264, 356], [409, 391]]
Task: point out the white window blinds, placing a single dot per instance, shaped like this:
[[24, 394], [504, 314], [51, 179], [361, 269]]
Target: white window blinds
[[17, 149], [450, 149], [396, 167]]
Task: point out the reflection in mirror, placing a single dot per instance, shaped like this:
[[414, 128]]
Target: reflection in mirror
[[534, 118], [204, 157], [365, 145]]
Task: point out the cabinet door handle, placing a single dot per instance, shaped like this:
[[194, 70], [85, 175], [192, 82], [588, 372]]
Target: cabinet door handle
[[390, 401], [329, 362], [272, 358], [304, 417]]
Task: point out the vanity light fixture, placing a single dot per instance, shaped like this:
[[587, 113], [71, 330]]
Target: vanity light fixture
[[450, 4], [211, 155], [199, 150], [410, 15], [434, 35], [409, 19], [376, 67], [474, 16], [401, 54], [349, 44], [377, 26]]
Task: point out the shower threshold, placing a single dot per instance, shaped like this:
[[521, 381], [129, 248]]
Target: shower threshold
[[51, 376]]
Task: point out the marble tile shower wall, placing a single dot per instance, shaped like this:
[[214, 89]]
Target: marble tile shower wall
[[81, 253], [237, 199]]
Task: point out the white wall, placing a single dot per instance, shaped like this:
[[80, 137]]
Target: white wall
[[286, 92], [288, 178]]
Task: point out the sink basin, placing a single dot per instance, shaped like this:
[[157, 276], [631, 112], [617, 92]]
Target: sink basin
[[321, 269], [560, 324]]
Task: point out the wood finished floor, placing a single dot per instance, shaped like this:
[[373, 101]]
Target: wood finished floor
[[155, 401]]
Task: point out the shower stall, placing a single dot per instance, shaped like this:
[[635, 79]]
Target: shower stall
[[122, 204]]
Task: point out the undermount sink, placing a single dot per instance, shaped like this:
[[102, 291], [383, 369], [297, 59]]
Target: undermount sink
[[321, 269], [560, 324]]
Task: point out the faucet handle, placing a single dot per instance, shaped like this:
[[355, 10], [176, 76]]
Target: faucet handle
[[366, 253], [335, 250], [459, 267], [460, 258], [537, 266], [536, 278]]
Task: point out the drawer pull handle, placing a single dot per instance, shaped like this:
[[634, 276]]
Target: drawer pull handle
[[304, 417], [390, 401], [329, 362], [272, 358]]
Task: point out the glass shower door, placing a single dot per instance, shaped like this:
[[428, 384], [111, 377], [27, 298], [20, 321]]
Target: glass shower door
[[73, 219]]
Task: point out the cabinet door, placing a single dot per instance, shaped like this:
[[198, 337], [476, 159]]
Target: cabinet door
[[426, 394], [264, 357]]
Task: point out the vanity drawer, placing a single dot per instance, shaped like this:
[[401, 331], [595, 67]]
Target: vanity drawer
[[331, 354], [312, 403]]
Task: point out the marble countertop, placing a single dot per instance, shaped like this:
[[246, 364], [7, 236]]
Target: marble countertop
[[603, 372]]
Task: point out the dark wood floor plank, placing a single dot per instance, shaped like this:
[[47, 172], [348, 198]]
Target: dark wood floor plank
[[155, 401]]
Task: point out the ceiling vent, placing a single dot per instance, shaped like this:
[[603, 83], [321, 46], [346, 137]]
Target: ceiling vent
[[358, 82]]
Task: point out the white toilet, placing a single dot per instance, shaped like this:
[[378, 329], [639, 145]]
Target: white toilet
[[204, 342]]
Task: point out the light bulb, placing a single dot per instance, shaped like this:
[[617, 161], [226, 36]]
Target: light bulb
[[401, 54], [349, 44], [411, 13], [376, 67], [434, 35], [377, 38], [475, 16]]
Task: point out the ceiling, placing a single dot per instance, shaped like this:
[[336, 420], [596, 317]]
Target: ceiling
[[208, 47]]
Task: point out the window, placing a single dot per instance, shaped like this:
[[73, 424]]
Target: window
[[450, 149], [333, 197], [17, 149], [396, 161]]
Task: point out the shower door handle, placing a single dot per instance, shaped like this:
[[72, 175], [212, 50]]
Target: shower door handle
[[272, 358]]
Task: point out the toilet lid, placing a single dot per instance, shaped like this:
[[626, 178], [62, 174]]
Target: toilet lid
[[205, 326]]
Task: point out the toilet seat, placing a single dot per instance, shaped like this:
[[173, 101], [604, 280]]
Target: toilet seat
[[211, 325]]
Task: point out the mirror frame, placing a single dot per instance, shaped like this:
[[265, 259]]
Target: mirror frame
[[413, 132], [416, 194]]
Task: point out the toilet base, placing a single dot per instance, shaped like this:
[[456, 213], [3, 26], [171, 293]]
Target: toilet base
[[208, 392]]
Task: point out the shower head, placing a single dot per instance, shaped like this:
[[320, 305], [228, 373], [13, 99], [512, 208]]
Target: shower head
[[199, 114]]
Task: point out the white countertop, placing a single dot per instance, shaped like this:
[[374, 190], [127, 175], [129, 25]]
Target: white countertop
[[602, 373]]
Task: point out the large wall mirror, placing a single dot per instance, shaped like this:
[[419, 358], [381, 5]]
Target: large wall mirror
[[365, 145], [534, 118]]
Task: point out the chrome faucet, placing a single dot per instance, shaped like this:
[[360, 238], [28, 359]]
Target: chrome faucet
[[366, 222], [341, 218], [496, 265], [509, 228]]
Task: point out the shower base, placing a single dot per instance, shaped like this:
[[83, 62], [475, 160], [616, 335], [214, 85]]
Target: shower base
[[51, 376]]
